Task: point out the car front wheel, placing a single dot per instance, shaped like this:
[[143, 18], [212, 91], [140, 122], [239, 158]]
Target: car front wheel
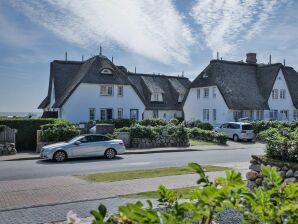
[[110, 153], [60, 156]]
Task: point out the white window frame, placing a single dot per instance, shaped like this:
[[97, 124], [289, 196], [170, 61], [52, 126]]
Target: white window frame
[[198, 93], [120, 113], [273, 114], [206, 93], [286, 113], [237, 114], [275, 94], [205, 114], [282, 94], [214, 114], [214, 92], [259, 115], [105, 110], [155, 113], [120, 90], [295, 115], [106, 90], [92, 113]]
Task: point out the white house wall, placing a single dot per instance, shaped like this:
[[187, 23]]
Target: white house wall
[[169, 114], [76, 108], [193, 106], [281, 104]]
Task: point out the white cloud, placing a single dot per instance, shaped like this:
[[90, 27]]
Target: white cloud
[[227, 23], [153, 29]]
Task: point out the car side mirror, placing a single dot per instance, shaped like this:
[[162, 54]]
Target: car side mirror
[[77, 143]]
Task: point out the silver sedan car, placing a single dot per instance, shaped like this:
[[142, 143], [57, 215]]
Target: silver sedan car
[[90, 145]]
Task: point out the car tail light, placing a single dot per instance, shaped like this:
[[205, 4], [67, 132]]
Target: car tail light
[[243, 131]]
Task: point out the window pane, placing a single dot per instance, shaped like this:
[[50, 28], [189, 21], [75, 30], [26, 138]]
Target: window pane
[[247, 127], [109, 114], [103, 114], [92, 114]]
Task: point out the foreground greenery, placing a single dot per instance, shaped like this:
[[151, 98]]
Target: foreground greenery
[[148, 173], [281, 144], [273, 203], [181, 192]]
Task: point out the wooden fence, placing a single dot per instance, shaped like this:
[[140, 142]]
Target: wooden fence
[[7, 134]]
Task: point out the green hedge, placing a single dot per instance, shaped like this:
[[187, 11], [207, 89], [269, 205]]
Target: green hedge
[[260, 126], [26, 134], [199, 124], [205, 135], [119, 123], [153, 122], [60, 131], [281, 144], [140, 131]]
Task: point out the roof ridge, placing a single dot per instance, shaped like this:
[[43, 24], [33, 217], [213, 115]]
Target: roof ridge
[[156, 75]]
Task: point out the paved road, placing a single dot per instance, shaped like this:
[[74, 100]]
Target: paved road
[[15, 170]]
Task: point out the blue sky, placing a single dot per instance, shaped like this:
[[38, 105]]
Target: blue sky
[[155, 36]]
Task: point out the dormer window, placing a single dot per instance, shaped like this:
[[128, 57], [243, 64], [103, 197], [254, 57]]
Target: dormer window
[[156, 97], [106, 71], [180, 98], [205, 75]]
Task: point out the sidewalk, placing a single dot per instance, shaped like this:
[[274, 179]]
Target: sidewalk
[[47, 200], [27, 193], [230, 146]]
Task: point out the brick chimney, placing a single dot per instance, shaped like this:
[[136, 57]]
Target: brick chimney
[[251, 58]]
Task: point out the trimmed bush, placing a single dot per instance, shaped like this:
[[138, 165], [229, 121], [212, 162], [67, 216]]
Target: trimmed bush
[[260, 126], [153, 122], [26, 134], [281, 144], [199, 124], [151, 132], [209, 136], [60, 131], [119, 123]]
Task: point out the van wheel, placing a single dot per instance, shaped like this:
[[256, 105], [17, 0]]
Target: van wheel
[[235, 138], [110, 153], [60, 156]]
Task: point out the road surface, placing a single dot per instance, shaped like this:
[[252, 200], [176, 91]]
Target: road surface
[[27, 169]]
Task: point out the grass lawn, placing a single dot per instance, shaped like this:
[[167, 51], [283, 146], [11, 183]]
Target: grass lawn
[[155, 195], [147, 173], [194, 142]]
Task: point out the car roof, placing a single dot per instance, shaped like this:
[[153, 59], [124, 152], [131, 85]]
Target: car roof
[[93, 135], [237, 123]]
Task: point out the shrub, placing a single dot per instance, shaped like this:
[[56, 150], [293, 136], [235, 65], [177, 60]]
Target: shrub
[[59, 131], [139, 131], [205, 135], [119, 123], [151, 132], [199, 124], [274, 202], [281, 144], [260, 126], [174, 121], [153, 122], [26, 130]]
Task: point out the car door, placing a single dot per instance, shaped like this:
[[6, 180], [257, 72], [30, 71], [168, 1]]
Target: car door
[[84, 148], [223, 128], [229, 130], [100, 144]]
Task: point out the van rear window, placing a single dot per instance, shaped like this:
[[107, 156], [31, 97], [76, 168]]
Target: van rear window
[[247, 127]]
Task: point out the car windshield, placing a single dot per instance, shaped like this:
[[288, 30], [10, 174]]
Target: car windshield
[[247, 127], [77, 138]]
